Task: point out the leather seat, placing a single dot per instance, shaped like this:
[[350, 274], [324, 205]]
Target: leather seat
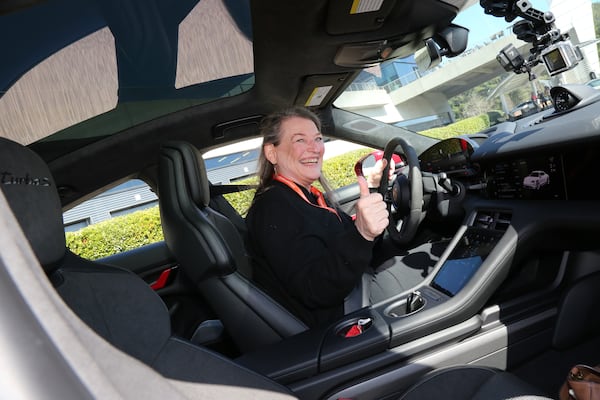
[[211, 251], [114, 302]]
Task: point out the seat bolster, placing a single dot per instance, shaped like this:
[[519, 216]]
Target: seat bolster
[[116, 304], [577, 318], [471, 383], [184, 361], [279, 318]]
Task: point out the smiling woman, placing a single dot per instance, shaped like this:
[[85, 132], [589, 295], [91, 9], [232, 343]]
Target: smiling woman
[[298, 242]]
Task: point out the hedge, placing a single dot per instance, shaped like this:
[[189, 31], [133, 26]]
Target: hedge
[[116, 235], [133, 230], [462, 127]]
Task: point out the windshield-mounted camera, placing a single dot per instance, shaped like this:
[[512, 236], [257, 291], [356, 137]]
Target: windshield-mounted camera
[[560, 57], [549, 46]]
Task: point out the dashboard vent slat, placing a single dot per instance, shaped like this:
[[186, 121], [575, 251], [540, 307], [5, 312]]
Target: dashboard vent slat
[[492, 220]]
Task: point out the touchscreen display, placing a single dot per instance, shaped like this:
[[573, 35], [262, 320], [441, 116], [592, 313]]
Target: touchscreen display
[[538, 178], [455, 274]]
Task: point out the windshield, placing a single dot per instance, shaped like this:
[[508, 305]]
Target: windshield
[[472, 91]]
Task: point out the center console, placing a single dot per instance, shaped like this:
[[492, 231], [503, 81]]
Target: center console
[[445, 305], [471, 250]]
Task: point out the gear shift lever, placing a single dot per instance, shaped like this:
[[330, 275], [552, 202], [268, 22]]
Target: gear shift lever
[[414, 301]]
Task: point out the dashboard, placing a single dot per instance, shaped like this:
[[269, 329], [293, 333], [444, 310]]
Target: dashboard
[[553, 155]]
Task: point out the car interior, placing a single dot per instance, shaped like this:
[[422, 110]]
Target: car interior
[[509, 270]]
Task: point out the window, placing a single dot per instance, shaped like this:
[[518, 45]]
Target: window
[[56, 92], [121, 218], [197, 58], [237, 164], [129, 210], [76, 225]]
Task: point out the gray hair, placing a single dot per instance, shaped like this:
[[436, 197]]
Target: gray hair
[[270, 129]]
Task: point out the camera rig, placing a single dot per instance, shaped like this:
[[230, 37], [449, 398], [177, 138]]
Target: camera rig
[[549, 46]]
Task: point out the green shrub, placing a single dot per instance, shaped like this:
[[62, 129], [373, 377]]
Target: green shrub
[[462, 127], [339, 170], [116, 235], [241, 200]]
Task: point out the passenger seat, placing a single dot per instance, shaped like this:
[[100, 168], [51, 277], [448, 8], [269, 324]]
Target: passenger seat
[[117, 304]]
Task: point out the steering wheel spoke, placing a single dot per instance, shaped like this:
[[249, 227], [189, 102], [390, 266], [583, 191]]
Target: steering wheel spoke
[[405, 195]]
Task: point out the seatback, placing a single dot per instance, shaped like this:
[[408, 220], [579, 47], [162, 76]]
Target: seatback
[[117, 304], [211, 252]]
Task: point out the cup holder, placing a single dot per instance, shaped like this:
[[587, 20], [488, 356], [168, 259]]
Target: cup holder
[[407, 306], [354, 327]]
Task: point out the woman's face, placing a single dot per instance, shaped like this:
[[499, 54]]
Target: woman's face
[[299, 154]]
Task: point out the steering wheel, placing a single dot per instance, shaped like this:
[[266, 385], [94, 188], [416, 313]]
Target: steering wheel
[[406, 194]]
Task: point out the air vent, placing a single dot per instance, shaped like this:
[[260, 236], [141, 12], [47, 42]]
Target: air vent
[[538, 120], [503, 221], [487, 219]]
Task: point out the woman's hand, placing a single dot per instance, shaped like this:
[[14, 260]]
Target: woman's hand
[[372, 216], [374, 177]]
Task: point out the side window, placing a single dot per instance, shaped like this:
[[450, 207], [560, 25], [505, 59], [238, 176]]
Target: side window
[[338, 162], [122, 218], [237, 164]]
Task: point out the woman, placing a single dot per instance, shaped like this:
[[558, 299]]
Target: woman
[[306, 253]]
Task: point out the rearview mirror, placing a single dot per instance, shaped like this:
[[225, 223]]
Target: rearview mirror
[[428, 57], [453, 40], [450, 42]]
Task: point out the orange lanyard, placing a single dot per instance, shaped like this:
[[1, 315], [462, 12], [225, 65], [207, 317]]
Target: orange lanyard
[[316, 192]]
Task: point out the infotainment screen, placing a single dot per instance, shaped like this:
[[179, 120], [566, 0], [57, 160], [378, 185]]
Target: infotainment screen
[[465, 259], [455, 274], [527, 178]]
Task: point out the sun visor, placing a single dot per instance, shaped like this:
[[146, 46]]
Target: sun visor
[[380, 30], [317, 90]]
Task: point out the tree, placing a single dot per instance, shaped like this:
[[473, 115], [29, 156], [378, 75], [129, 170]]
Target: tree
[[476, 101], [477, 105]]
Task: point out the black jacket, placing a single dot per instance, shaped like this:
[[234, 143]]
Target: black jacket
[[303, 255]]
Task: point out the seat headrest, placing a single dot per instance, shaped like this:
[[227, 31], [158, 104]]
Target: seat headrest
[[194, 171], [195, 234], [30, 190]]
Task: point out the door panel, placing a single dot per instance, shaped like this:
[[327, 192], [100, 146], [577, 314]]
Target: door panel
[[347, 196], [155, 265]]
